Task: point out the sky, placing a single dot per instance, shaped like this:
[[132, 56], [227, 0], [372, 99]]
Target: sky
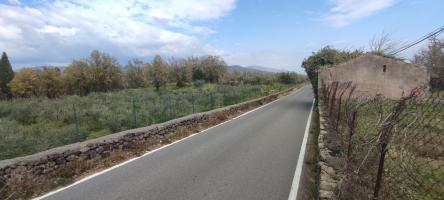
[[272, 33]]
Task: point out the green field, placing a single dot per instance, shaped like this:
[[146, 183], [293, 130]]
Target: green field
[[32, 125]]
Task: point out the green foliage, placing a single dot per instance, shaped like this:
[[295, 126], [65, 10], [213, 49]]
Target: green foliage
[[158, 72], [104, 71], [98, 73], [327, 56], [290, 78], [214, 68], [6, 75], [133, 75], [30, 125], [50, 82], [433, 58], [182, 71], [77, 79]]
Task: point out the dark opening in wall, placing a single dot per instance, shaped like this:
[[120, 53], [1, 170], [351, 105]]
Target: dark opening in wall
[[384, 68]]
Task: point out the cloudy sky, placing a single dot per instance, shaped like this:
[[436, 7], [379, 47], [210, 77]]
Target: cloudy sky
[[271, 33]]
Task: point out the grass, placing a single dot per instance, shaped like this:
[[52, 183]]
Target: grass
[[311, 171], [32, 125]]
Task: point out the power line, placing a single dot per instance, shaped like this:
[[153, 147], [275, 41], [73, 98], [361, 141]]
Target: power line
[[429, 35]]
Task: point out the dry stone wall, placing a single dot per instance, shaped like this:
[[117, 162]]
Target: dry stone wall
[[328, 162]]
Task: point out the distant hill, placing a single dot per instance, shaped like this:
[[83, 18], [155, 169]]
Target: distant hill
[[266, 69], [231, 68], [255, 69]]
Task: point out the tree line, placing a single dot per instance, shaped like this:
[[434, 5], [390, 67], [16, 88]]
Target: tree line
[[101, 72]]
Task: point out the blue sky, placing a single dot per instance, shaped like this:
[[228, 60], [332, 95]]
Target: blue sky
[[278, 33]]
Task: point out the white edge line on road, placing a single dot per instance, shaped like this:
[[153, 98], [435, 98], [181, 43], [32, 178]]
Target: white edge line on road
[[297, 174], [153, 151]]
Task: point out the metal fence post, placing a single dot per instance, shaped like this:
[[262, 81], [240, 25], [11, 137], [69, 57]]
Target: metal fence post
[[76, 120], [192, 101], [169, 106], [133, 101], [223, 97], [211, 101]]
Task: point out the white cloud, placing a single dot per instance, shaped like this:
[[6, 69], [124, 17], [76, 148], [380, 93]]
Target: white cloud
[[190, 9], [345, 12], [58, 31], [66, 32]]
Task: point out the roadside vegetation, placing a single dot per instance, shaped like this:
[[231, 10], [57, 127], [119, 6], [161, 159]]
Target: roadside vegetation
[[413, 167], [309, 186], [46, 107], [326, 57]]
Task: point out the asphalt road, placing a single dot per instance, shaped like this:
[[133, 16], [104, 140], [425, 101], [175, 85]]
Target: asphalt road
[[252, 157]]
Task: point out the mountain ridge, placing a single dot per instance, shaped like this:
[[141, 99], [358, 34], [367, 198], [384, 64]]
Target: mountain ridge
[[253, 69]]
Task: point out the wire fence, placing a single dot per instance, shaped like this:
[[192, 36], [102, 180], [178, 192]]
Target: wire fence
[[387, 149]]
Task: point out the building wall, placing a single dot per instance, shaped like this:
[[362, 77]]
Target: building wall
[[376, 75]]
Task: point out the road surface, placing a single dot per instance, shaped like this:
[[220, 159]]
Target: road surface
[[251, 157]]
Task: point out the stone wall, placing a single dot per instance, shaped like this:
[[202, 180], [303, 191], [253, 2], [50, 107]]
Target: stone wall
[[375, 75], [329, 164], [34, 169]]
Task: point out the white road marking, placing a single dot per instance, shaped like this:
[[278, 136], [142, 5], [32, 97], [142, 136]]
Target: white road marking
[[153, 151], [297, 174]]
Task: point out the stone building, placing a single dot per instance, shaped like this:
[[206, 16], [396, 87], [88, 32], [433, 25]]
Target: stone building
[[376, 75]]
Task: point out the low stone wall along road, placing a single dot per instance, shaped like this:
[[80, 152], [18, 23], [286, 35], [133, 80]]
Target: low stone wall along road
[[251, 157]]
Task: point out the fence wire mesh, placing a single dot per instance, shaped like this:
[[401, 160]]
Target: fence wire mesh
[[387, 149]]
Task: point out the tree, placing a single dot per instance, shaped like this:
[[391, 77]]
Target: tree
[[25, 83], [146, 68], [77, 79], [133, 76], [290, 77], [158, 72], [287, 78], [214, 68], [181, 72], [98, 73], [382, 45], [236, 75], [6, 76], [433, 58], [327, 56], [105, 72], [50, 82]]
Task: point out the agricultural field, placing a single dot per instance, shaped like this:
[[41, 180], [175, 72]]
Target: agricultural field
[[31, 125]]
